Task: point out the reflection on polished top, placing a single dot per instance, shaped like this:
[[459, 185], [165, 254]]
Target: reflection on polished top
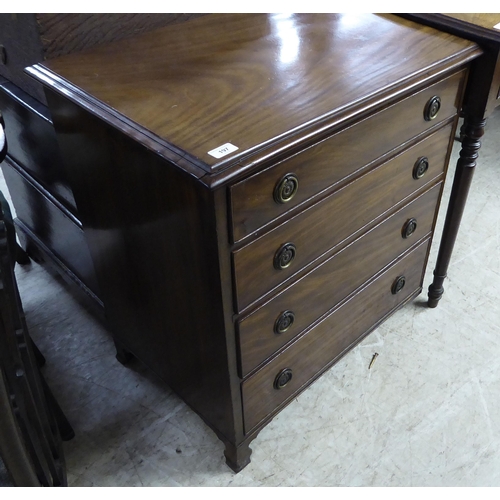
[[248, 81]]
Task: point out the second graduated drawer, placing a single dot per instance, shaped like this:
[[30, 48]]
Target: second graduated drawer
[[273, 258], [255, 201], [287, 314]]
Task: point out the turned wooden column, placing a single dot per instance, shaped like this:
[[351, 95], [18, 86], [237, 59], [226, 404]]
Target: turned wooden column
[[471, 133]]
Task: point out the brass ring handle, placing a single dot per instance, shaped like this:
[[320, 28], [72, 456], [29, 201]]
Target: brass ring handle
[[420, 168], [409, 228], [432, 108], [3, 140], [286, 188], [284, 256], [284, 322], [398, 284], [282, 379]]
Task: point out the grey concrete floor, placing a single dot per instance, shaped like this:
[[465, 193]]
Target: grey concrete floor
[[426, 414]]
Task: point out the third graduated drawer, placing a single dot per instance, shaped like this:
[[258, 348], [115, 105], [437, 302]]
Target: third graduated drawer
[[275, 257], [268, 195], [277, 382], [287, 314]]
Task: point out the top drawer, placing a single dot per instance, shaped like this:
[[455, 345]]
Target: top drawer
[[255, 201]]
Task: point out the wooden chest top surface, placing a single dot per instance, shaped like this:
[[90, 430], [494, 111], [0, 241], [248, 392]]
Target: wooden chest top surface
[[253, 80]]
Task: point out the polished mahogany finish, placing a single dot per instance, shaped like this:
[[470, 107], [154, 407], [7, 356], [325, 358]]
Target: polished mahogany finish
[[257, 68], [473, 131], [252, 202], [170, 143], [317, 229], [48, 222], [331, 281], [326, 341]]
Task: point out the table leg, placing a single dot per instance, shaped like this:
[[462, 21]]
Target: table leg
[[471, 132]]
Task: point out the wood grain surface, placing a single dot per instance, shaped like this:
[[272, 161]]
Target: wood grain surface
[[330, 338], [66, 33], [250, 79], [31, 38], [339, 157], [326, 224], [154, 246], [332, 281]]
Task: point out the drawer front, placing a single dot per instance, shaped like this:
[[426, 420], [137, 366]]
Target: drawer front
[[286, 315], [332, 220], [330, 338], [253, 202]]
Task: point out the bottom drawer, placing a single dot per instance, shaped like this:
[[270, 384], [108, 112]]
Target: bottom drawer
[[271, 387]]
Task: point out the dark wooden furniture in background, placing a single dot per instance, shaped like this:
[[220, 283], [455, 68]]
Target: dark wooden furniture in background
[[481, 97], [258, 192], [48, 221]]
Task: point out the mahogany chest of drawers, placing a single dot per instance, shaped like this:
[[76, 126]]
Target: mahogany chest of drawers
[[258, 193]]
